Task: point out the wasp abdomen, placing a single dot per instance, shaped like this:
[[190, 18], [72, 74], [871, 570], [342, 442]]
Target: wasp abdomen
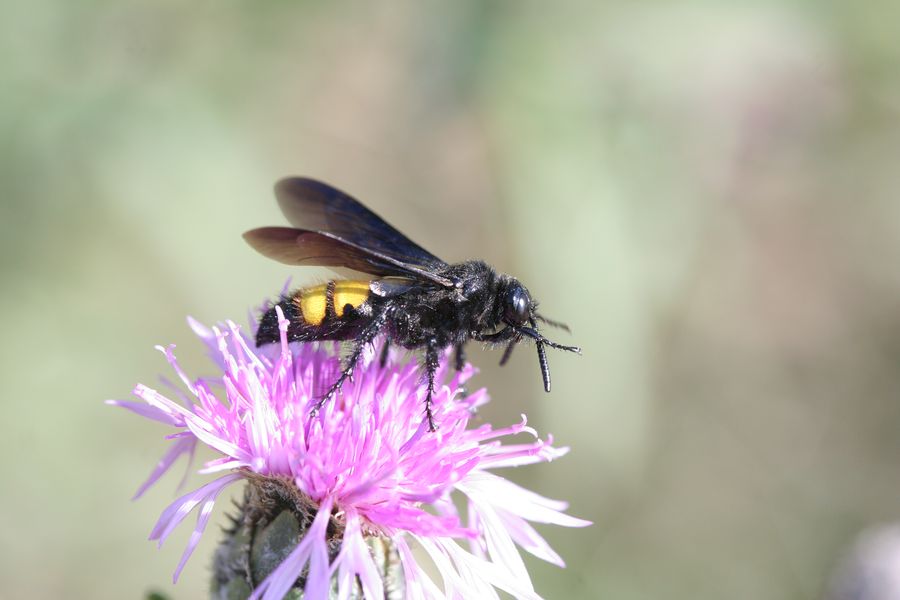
[[326, 311]]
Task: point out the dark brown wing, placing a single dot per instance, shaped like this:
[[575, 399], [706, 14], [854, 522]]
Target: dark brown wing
[[319, 248], [315, 206]]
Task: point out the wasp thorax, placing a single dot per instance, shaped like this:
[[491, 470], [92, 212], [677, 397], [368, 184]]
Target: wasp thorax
[[517, 304]]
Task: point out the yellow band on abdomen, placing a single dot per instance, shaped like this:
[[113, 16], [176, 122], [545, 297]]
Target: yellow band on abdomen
[[352, 292], [312, 302]]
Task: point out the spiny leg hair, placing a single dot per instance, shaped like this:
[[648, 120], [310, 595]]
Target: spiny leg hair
[[431, 366]]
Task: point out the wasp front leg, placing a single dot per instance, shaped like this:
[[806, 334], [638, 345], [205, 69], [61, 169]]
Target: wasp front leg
[[509, 349], [505, 334]]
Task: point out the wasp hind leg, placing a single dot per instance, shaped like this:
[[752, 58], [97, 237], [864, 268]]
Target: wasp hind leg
[[366, 336]]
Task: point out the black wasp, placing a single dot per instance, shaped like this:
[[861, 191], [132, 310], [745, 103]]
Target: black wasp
[[416, 300]]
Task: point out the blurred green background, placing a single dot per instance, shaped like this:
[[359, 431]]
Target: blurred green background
[[705, 191]]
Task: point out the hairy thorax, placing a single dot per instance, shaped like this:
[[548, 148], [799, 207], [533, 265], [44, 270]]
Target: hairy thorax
[[444, 316]]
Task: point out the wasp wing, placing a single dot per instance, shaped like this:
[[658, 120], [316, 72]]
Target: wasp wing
[[312, 205], [323, 249]]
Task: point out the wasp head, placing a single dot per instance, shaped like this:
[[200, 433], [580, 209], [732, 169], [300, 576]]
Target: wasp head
[[517, 304], [519, 313]]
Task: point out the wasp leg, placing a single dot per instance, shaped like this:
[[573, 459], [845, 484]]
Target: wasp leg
[[507, 333], [509, 349], [431, 366], [366, 336], [495, 338], [384, 353], [460, 357], [534, 334]]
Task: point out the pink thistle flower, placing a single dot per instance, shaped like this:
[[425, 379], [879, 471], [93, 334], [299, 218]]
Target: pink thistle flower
[[366, 466]]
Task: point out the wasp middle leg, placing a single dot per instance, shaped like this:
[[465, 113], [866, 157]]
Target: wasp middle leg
[[460, 357], [431, 367], [385, 350]]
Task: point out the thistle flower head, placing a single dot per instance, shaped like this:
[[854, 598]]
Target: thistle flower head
[[366, 465]]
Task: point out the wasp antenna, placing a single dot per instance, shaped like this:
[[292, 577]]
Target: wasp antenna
[[545, 368], [541, 352]]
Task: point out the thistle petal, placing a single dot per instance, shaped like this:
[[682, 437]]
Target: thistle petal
[[184, 445]]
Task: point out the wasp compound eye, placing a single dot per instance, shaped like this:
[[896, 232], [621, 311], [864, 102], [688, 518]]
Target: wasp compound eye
[[518, 305]]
